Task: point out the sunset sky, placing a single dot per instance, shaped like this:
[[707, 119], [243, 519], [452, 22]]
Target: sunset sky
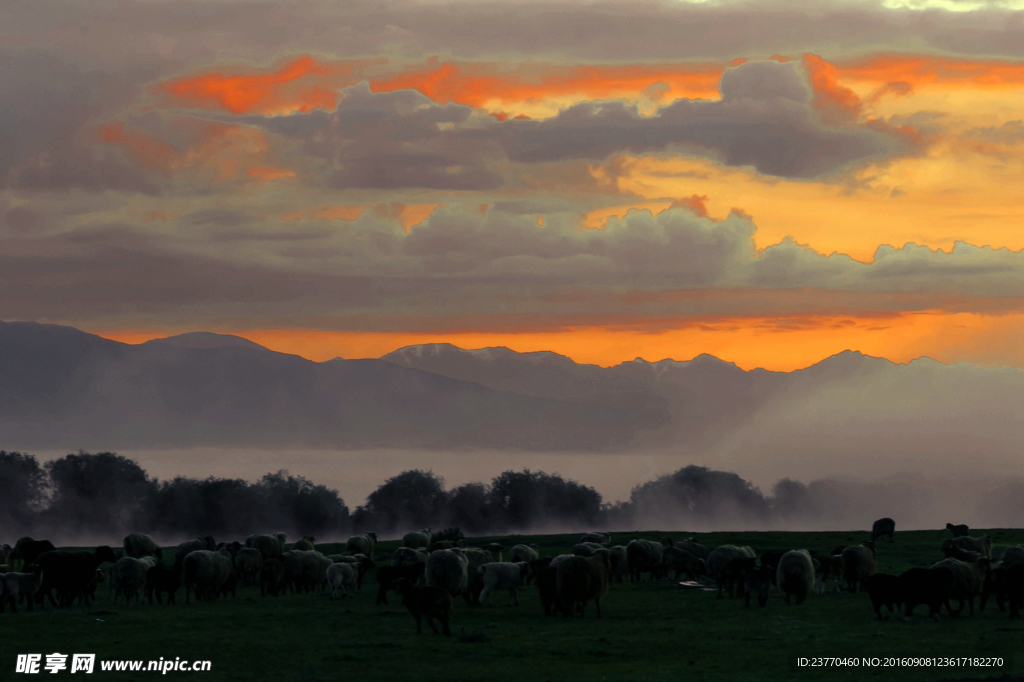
[[768, 182]]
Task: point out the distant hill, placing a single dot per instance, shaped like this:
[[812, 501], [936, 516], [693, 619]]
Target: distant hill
[[61, 388]]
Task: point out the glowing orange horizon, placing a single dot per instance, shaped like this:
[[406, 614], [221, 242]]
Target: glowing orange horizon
[[776, 344]]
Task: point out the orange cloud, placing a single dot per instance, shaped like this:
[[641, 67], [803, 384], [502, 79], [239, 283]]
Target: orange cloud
[[143, 148], [325, 213], [302, 84], [230, 151], [484, 85], [914, 71], [836, 102], [695, 203], [266, 173]]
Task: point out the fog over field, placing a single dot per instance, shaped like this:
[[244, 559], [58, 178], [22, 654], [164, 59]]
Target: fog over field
[[841, 500]]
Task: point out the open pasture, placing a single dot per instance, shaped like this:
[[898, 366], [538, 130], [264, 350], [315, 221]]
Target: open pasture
[[650, 631]]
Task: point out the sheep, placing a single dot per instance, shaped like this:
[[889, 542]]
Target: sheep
[[138, 545], [581, 579], [882, 528], [70, 573], [950, 549], [477, 557], [858, 564], [722, 569], [272, 577], [547, 588], [362, 544], [305, 570], [982, 545], [597, 537], [162, 580], [694, 548], [831, 567], [388, 575], [586, 549], [795, 574], [248, 562], [27, 550], [931, 586], [958, 531], [360, 562], [968, 581], [680, 561], [305, 544], [884, 591], [204, 573], [342, 577], [1013, 585], [130, 574], [523, 553], [619, 560], [759, 582], [554, 563], [448, 569], [406, 556], [417, 538], [431, 602], [19, 585], [269, 546], [644, 555], [1013, 554], [503, 576], [184, 549]]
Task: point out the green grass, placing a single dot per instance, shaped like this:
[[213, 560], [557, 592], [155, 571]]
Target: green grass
[[649, 631]]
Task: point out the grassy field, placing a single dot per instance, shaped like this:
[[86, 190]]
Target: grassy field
[[649, 631]]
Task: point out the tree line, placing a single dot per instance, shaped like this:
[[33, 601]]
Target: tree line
[[105, 493]]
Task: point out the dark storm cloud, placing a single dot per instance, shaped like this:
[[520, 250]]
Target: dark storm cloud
[[764, 119]]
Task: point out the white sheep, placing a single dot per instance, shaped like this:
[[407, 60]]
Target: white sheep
[[561, 558], [858, 564], [795, 574], [204, 573], [406, 556], [130, 575], [449, 569], [342, 577], [269, 546], [1013, 554], [619, 560], [138, 545], [586, 548], [523, 553], [417, 538], [600, 538], [503, 576], [982, 545], [362, 544], [14, 586], [644, 555]]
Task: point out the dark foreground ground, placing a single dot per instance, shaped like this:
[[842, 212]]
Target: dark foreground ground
[[649, 631]]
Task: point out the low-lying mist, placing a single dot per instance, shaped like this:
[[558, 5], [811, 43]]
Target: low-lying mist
[[228, 493]]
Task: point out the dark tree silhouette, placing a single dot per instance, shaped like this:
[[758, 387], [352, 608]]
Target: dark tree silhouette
[[22, 490], [302, 505], [522, 499], [469, 508], [410, 499], [699, 493], [102, 492]]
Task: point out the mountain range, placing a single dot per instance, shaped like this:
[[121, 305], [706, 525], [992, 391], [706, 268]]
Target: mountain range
[[61, 388]]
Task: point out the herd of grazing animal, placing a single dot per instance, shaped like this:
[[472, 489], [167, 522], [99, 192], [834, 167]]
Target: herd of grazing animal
[[428, 574]]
